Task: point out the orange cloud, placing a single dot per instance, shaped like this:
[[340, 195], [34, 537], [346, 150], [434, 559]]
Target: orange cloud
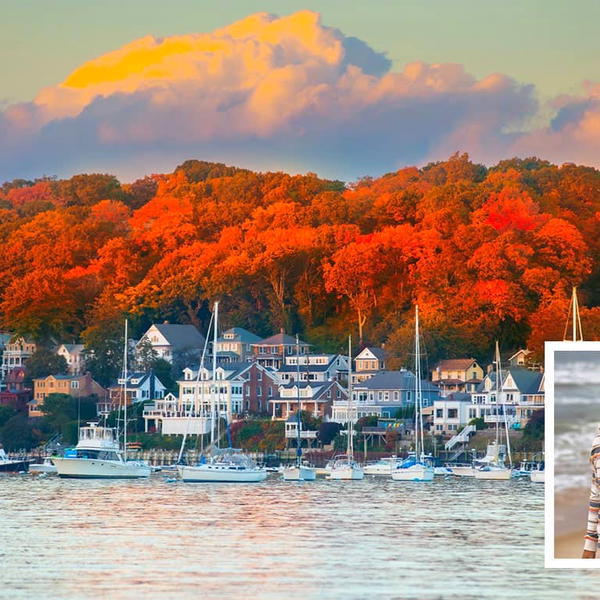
[[271, 93]]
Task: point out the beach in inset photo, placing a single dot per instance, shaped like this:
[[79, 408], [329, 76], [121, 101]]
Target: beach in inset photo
[[576, 422]]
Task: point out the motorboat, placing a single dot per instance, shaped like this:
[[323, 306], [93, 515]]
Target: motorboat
[[12, 465], [98, 456], [47, 466], [412, 469], [229, 465], [537, 475]]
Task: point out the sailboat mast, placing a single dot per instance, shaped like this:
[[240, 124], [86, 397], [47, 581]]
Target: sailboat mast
[[499, 396], [418, 422], [298, 417], [350, 446], [214, 377], [125, 394]]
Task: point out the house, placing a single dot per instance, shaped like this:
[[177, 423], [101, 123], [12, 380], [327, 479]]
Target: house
[[140, 387], [73, 354], [235, 345], [170, 340], [451, 413], [383, 394], [169, 416], [15, 354], [522, 393], [78, 386], [291, 433], [457, 375], [271, 351], [15, 393], [311, 367], [315, 397], [368, 362]]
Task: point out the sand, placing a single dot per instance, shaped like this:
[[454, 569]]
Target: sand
[[570, 516]]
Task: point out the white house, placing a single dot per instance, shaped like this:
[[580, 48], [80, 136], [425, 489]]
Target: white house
[[73, 354], [140, 388], [169, 339], [170, 417], [315, 397], [15, 354], [451, 413], [313, 367], [368, 362]]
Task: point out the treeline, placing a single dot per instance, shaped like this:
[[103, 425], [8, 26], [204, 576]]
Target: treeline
[[488, 253]]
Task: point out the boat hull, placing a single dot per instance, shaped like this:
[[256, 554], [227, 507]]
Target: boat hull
[[413, 473], [346, 473], [42, 468], [537, 476], [82, 468], [463, 471], [299, 474], [495, 474], [384, 470], [14, 466], [211, 474]]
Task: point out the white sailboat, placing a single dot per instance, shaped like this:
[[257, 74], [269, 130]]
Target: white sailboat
[[344, 467], [383, 466], [299, 471], [229, 465], [416, 468], [496, 469], [98, 454]]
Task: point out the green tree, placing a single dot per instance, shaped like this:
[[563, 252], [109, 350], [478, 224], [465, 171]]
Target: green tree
[[18, 434], [534, 430], [44, 362], [63, 413], [328, 431], [6, 413]]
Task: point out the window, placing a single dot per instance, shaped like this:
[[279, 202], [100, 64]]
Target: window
[[439, 413], [270, 392], [259, 391], [259, 375], [453, 413]]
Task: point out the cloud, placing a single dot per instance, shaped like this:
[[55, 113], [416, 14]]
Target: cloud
[[273, 93]]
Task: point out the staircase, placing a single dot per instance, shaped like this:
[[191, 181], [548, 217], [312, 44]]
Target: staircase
[[461, 438]]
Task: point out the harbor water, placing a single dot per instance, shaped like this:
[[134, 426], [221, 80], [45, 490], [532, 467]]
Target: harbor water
[[156, 538]]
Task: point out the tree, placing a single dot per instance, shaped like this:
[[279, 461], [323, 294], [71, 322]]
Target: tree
[[6, 413], [534, 430], [44, 362], [328, 430], [17, 434], [63, 413]]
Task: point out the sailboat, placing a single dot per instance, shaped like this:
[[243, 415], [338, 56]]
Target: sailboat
[[576, 331], [299, 471], [344, 466], [496, 468], [228, 465], [98, 454], [416, 468]]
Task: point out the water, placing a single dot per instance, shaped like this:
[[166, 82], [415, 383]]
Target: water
[[452, 538], [576, 414]]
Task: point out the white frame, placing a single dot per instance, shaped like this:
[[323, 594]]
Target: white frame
[[550, 562]]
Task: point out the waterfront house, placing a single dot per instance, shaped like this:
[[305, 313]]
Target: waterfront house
[[15, 392], [235, 345], [78, 386], [73, 354], [169, 416], [457, 375], [368, 362], [522, 394], [140, 387], [170, 340], [315, 397], [383, 395], [271, 351], [451, 413], [16, 352], [314, 367]]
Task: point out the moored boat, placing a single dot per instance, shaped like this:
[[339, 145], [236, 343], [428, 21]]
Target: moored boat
[[12, 465], [229, 465], [47, 466], [383, 466], [537, 475]]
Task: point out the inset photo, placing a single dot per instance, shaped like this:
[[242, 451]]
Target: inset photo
[[573, 454]]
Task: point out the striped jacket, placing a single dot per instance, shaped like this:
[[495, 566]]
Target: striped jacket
[[591, 534]]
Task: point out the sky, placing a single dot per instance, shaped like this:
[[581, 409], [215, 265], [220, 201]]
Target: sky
[[343, 90]]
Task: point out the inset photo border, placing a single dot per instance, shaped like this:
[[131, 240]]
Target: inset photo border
[[572, 429]]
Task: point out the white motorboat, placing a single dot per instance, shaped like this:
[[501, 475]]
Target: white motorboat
[[537, 475], [417, 467], [12, 465], [441, 471], [47, 466], [98, 456], [345, 467], [299, 473], [228, 466], [383, 466]]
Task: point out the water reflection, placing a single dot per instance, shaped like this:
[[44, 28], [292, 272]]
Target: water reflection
[[373, 538]]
